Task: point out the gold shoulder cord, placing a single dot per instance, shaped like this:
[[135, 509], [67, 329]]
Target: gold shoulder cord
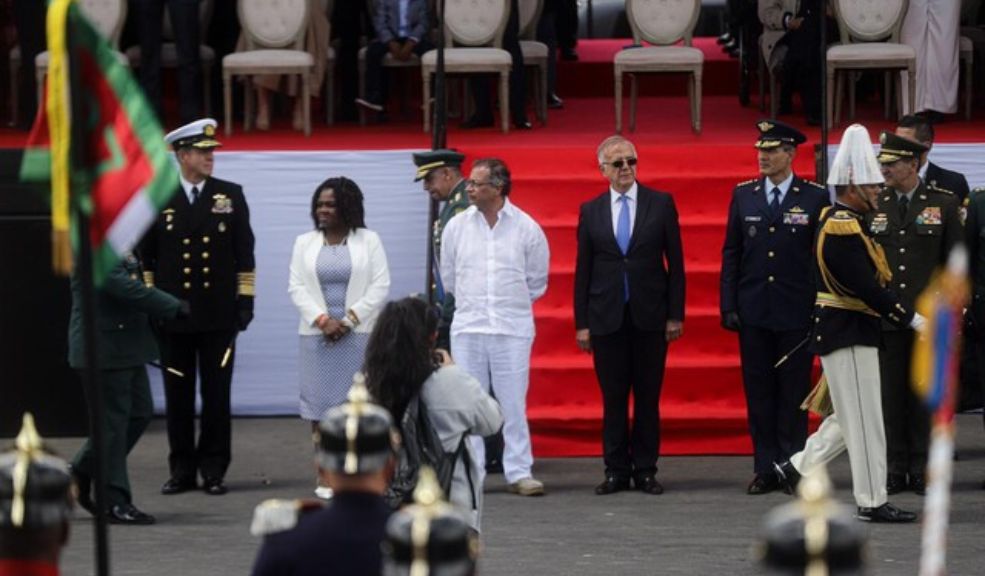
[[849, 227]]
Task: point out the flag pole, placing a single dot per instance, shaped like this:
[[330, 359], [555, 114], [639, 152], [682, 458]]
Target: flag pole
[[439, 136], [90, 375]]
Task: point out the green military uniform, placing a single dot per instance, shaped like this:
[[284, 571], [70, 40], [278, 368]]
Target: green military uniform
[[456, 202], [917, 236], [125, 344]]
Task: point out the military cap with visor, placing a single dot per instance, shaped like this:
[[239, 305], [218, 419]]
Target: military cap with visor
[[773, 133], [198, 134], [894, 148], [35, 485], [428, 161], [357, 437]]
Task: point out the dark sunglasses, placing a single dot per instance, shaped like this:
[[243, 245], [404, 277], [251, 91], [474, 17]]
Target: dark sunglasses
[[618, 164]]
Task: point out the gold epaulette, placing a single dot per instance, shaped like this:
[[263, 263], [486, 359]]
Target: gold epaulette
[[842, 223], [273, 516], [149, 278], [246, 283]]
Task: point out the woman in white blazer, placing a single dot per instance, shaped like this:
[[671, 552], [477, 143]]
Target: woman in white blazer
[[339, 280]]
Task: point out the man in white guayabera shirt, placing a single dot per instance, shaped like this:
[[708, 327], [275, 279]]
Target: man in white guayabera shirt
[[494, 259]]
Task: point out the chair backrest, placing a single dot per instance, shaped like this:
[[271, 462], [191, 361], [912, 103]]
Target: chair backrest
[[663, 23], [107, 16], [530, 11], [204, 18], [269, 24], [870, 20], [476, 22]]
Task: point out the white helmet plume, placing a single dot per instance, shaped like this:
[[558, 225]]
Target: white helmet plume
[[855, 162]]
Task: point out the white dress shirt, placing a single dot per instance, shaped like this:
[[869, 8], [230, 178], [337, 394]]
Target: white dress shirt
[[632, 202], [495, 273], [187, 187]]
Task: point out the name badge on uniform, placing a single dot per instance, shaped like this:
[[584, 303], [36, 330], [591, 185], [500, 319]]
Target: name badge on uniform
[[930, 215], [879, 223], [753, 218], [222, 204]]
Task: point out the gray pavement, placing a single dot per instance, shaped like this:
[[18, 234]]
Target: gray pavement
[[703, 524]]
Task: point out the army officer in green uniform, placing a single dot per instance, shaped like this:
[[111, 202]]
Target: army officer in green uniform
[[125, 344], [917, 224], [441, 171]]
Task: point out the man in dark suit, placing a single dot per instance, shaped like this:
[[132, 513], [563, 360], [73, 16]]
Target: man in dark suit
[[629, 304], [917, 225], [402, 30], [187, 36], [919, 128], [125, 344], [767, 296], [201, 249], [355, 457]]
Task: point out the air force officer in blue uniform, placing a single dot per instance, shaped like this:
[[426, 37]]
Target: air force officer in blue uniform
[[767, 295]]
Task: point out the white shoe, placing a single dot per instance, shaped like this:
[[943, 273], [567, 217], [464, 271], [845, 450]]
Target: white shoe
[[527, 487], [324, 492]]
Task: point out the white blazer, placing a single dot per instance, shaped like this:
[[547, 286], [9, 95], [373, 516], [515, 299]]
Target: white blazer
[[369, 282]]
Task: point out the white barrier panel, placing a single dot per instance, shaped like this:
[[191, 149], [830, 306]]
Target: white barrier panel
[[278, 188]]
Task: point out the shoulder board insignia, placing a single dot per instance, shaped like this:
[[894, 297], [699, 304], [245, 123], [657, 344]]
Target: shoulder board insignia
[[934, 188], [747, 182], [274, 516], [842, 223], [814, 184], [976, 191]]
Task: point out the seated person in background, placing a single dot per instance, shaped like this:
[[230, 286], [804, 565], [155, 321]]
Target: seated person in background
[[316, 44], [35, 506], [356, 444], [402, 28], [402, 365], [451, 547], [792, 49]]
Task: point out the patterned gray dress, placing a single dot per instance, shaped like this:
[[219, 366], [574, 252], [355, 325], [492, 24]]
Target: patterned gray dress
[[327, 367]]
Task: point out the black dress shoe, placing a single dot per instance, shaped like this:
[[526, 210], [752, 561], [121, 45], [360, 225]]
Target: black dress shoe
[[895, 483], [885, 514], [788, 475], [522, 124], [611, 485], [177, 486], [764, 484], [554, 102], [214, 487], [723, 38], [478, 122], [648, 484], [128, 514], [918, 483]]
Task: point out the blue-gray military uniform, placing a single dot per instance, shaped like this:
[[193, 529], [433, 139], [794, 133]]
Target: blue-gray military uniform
[[766, 279], [917, 238], [344, 536]]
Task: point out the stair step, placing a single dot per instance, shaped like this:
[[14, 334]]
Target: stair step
[[702, 286]]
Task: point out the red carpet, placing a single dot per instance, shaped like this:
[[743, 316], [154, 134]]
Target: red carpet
[[554, 171]]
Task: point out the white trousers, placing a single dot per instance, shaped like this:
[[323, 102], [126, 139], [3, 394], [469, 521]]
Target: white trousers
[[932, 28], [501, 363], [856, 425]]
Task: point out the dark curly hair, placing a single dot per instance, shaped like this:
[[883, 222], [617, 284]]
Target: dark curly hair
[[348, 202], [399, 354]]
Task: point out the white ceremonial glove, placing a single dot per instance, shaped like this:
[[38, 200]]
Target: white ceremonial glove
[[919, 323]]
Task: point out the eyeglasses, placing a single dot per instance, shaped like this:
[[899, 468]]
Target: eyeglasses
[[618, 164], [476, 183]]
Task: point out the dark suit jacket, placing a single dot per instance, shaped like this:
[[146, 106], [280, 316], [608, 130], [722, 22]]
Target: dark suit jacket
[[767, 273], [123, 332], [203, 253], [386, 21], [654, 265], [949, 180]]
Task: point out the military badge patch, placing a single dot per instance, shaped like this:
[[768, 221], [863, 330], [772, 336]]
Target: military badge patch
[[222, 226], [879, 223], [930, 215], [796, 218], [222, 204], [752, 231]]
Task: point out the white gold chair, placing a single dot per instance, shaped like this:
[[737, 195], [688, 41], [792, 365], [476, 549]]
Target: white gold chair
[[274, 33], [535, 54], [473, 45], [664, 24]]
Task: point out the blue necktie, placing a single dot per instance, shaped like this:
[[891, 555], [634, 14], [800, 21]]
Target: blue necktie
[[622, 236], [775, 204]]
